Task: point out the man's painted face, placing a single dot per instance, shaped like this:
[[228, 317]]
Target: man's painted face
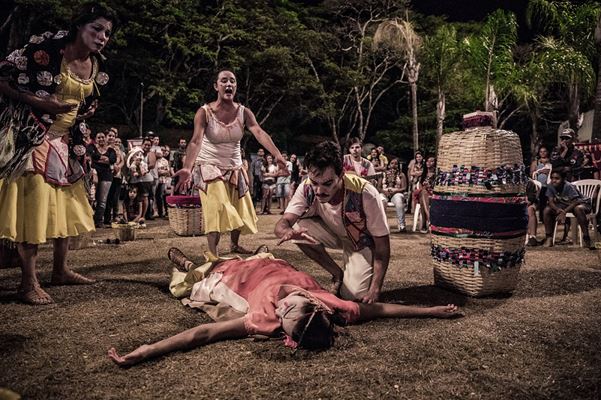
[[226, 85], [355, 150], [95, 35], [290, 310], [326, 184]]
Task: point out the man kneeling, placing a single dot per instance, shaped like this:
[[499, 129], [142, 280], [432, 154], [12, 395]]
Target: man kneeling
[[332, 209], [275, 299]]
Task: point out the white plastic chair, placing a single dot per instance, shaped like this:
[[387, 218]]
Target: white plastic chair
[[589, 188]]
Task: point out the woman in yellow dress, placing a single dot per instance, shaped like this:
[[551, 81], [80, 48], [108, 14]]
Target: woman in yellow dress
[[215, 150], [46, 90]]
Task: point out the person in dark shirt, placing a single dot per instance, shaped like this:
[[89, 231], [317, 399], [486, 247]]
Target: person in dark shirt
[[565, 198], [569, 158], [103, 157]]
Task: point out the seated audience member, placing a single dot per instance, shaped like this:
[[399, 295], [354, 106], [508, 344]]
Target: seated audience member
[[376, 160], [532, 195], [394, 188], [132, 206], [339, 210], [588, 170], [569, 158], [423, 194], [275, 300], [565, 198]]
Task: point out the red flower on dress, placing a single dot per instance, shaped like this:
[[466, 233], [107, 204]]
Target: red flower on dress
[[41, 57]]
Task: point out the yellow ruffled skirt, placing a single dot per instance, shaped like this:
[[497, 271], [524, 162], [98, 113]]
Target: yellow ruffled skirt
[[224, 211], [34, 211]]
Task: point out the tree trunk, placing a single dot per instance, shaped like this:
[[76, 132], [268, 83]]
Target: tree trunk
[[534, 134], [596, 134], [413, 86], [574, 106], [440, 116]]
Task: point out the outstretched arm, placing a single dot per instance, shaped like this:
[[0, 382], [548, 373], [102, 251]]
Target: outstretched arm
[[194, 337], [367, 312]]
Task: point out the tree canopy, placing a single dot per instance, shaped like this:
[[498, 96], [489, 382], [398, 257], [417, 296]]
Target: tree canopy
[[334, 68]]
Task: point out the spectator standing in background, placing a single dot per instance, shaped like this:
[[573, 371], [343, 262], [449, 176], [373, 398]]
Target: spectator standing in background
[[103, 157], [282, 191], [256, 173]]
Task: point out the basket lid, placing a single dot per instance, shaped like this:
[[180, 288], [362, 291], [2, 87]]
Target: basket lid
[[180, 200], [479, 118]]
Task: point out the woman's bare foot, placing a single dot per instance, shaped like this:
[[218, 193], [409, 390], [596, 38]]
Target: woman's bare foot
[[69, 277], [132, 358], [448, 311], [34, 295]]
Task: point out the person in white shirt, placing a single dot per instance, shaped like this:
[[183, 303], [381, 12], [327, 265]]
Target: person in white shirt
[[339, 210]]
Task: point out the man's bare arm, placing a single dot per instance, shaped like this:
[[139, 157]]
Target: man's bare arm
[[381, 260]]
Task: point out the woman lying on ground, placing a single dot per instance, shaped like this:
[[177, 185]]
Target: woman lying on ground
[[275, 298]]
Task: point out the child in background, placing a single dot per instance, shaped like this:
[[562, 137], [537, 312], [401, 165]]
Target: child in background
[[132, 207]]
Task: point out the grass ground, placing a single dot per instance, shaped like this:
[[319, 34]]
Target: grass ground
[[543, 342]]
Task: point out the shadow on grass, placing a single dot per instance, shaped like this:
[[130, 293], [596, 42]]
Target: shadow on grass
[[423, 295], [11, 343]]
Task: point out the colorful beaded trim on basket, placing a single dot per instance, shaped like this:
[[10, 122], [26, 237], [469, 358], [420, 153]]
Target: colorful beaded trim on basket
[[476, 258], [478, 176]]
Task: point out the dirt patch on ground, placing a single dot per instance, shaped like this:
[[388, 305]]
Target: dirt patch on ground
[[542, 342]]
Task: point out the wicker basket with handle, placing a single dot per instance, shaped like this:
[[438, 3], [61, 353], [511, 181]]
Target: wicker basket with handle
[[478, 211], [185, 215]]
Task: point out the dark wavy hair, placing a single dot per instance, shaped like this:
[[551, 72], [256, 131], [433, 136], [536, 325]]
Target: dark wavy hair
[[315, 330], [325, 154], [89, 12]]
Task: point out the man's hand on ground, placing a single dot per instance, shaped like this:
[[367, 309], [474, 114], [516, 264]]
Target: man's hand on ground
[[371, 297]]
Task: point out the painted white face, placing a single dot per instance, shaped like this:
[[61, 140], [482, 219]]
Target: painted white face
[[95, 35], [290, 310], [226, 85], [355, 150], [326, 184]]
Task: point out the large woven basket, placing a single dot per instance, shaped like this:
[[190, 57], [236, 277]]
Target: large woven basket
[[185, 215], [478, 212]]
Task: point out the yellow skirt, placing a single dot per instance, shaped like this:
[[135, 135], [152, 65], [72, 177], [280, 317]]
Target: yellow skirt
[[224, 211], [34, 211]]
